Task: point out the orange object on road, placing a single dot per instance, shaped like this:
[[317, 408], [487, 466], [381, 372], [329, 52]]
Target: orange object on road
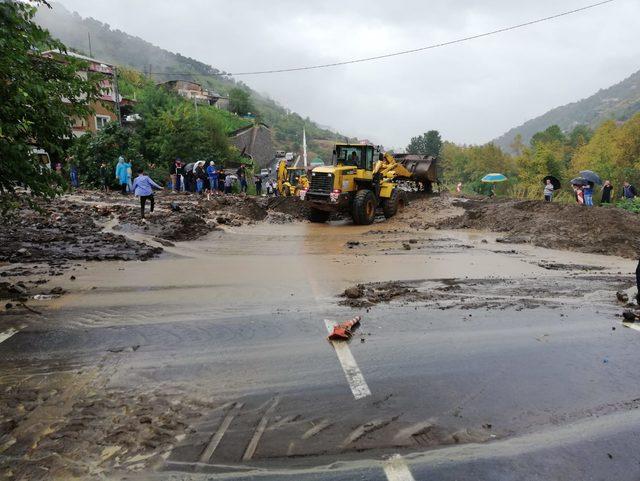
[[344, 330]]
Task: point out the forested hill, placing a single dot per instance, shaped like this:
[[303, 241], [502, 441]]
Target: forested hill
[[120, 48], [619, 102]]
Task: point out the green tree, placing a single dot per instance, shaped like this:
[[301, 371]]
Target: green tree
[[579, 136], [240, 102], [550, 134], [39, 96], [429, 143], [89, 151]]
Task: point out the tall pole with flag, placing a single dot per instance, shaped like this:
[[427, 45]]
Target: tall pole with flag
[[304, 146]]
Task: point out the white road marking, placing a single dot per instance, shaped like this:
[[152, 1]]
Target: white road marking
[[253, 444], [7, 334], [217, 437], [631, 325], [351, 370], [396, 469]]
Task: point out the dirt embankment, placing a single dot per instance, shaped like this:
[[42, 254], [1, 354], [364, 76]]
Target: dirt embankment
[[180, 217], [64, 231], [597, 230]]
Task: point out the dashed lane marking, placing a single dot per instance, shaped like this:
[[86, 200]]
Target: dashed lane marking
[[354, 376], [7, 334], [217, 437], [396, 469]]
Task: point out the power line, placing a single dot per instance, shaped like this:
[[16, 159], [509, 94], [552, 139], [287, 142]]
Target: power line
[[402, 52]]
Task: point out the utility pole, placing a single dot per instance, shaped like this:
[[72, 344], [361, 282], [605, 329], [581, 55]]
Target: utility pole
[[116, 91], [90, 51]]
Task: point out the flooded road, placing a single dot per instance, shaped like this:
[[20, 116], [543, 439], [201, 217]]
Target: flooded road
[[492, 361]]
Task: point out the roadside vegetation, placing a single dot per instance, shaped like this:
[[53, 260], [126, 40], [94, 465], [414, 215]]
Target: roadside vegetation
[[168, 127], [612, 150], [33, 110]]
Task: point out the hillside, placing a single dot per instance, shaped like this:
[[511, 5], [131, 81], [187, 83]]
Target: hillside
[[120, 48], [619, 102]]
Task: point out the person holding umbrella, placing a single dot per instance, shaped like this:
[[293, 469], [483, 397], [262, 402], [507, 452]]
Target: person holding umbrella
[[587, 190], [551, 184], [591, 179], [493, 179], [577, 185], [548, 191]]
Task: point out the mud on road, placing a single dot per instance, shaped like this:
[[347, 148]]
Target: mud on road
[[465, 339], [483, 293], [599, 230]]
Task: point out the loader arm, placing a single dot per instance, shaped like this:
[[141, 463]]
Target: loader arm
[[389, 168]]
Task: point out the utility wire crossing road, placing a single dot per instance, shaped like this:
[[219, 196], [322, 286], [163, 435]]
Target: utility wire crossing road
[[402, 52]]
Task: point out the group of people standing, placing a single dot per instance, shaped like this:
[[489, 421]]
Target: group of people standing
[[200, 177], [584, 193]]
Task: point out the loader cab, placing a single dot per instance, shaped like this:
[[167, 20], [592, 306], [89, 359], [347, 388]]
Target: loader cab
[[362, 156], [295, 175]]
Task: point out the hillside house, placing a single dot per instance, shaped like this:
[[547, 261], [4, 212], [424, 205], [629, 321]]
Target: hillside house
[[104, 109], [194, 91]]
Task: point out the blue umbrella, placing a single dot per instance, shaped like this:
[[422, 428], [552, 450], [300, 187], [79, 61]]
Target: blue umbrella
[[490, 178], [591, 176]]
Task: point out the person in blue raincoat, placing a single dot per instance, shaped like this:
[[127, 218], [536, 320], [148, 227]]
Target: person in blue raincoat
[[123, 175]]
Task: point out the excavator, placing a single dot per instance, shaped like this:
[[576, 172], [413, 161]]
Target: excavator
[[362, 179], [291, 180]]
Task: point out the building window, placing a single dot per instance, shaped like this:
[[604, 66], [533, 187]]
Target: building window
[[102, 121]]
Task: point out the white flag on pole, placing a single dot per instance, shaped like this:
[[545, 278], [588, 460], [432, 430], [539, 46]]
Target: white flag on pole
[[304, 146]]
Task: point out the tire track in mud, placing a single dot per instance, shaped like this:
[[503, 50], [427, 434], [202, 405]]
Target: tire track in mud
[[253, 430]]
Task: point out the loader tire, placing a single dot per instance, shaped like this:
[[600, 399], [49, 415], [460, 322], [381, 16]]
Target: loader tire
[[364, 207], [318, 216], [394, 204]]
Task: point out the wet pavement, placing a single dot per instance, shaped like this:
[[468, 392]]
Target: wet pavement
[[211, 362]]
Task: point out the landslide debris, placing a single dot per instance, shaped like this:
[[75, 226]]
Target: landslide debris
[[182, 217], [483, 293], [597, 230], [62, 231]]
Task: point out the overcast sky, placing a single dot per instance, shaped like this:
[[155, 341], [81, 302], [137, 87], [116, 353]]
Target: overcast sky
[[471, 92]]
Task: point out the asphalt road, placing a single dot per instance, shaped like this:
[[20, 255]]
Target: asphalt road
[[544, 386]]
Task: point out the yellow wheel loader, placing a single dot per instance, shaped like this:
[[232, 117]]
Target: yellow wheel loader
[[291, 180], [361, 180]]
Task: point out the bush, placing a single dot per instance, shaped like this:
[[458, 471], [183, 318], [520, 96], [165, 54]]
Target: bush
[[630, 205]]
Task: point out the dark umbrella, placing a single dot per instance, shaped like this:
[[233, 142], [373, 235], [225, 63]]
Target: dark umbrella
[[591, 176], [579, 181], [554, 181]]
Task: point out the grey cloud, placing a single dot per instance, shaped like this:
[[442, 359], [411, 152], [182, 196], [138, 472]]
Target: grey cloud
[[471, 92]]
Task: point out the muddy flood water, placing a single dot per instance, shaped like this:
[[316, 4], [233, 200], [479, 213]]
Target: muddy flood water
[[475, 359]]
